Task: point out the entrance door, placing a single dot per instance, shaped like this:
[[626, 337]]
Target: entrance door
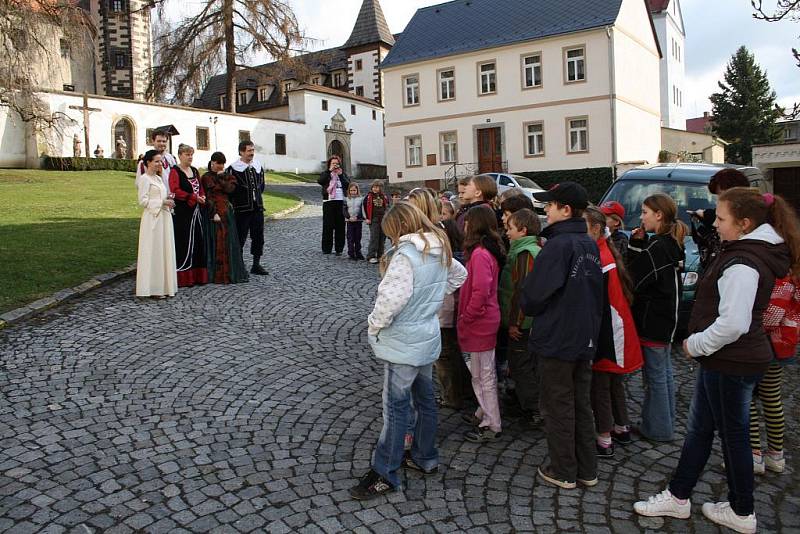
[[336, 148], [490, 153], [786, 183]]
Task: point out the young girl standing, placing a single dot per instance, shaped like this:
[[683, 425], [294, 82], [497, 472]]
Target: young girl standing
[[618, 349], [655, 265], [404, 332], [727, 338], [479, 318], [354, 216]]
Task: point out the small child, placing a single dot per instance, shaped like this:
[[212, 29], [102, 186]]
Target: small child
[[354, 216], [403, 331], [447, 209], [474, 191], [618, 349], [615, 220], [396, 197], [375, 206], [523, 229], [479, 319]]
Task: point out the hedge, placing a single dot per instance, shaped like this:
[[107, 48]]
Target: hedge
[[88, 164], [596, 180]]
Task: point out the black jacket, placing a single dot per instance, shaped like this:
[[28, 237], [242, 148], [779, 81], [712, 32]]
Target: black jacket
[[325, 181], [655, 265], [564, 294], [249, 187]]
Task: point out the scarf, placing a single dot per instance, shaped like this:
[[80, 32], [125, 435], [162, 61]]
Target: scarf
[[333, 185]]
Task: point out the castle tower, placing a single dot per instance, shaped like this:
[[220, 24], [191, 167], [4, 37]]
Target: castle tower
[[369, 43], [124, 47]]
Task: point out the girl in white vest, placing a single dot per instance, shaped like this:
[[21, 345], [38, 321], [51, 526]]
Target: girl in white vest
[[404, 332]]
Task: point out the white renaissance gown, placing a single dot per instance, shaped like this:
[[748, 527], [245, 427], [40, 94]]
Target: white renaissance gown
[[156, 274]]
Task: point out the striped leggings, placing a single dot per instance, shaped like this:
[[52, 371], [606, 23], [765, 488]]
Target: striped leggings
[[769, 392]]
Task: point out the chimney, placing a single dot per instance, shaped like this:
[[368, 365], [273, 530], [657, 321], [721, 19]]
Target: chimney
[[706, 114]]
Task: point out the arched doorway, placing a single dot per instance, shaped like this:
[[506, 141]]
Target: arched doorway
[[337, 148], [124, 140]]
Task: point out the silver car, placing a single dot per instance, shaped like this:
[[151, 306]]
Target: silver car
[[507, 181]]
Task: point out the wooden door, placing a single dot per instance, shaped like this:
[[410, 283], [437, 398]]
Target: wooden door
[[490, 150], [786, 183]]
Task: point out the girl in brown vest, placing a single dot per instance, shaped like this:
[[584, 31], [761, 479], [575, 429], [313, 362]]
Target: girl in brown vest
[[727, 338]]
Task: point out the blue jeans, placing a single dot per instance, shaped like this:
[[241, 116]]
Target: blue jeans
[[401, 385], [658, 408], [722, 403]]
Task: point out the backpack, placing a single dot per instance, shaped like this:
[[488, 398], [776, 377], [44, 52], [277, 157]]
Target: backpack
[[782, 318]]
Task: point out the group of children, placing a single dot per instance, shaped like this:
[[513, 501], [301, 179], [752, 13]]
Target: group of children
[[370, 209], [568, 312]]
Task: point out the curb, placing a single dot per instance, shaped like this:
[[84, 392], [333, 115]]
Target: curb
[[34, 308]]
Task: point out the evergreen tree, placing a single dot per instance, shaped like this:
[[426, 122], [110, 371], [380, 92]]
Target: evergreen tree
[[744, 110]]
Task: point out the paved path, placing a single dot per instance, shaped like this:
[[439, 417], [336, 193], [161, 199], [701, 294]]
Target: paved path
[[254, 407]]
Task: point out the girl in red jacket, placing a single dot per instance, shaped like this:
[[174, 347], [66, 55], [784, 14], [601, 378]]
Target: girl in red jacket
[[618, 349], [479, 318]]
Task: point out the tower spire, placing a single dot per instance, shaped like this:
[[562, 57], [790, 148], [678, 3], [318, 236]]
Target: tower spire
[[370, 26]]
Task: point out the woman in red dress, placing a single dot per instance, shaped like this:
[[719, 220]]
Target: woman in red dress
[[190, 198]]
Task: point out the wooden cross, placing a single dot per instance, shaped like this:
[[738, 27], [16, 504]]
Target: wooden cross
[[86, 109]]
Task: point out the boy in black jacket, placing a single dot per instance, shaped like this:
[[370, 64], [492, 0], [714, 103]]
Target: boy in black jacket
[[564, 295]]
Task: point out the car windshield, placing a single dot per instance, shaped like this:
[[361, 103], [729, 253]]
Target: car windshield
[[631, 194], [526, 182]]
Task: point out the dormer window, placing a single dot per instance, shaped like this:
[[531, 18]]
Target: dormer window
[[263, 94], [287, 87], [241, 98]]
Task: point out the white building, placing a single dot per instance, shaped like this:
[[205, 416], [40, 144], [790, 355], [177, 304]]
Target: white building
[[668, 20], [558, 86]]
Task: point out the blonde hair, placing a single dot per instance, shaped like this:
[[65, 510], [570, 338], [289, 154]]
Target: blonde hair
[[378, 183], [185, 149], [426, 202], [404, 218], [351, 186]]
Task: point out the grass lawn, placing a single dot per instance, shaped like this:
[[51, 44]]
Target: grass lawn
[[290, 178], [58, 229]]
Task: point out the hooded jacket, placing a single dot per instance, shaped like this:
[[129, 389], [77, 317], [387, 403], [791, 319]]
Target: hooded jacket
[[655, 266], [404, 324], [564, 293], [726, 326], [478, 308]]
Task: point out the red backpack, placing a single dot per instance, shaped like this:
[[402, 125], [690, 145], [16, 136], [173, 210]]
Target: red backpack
[[782, 318]]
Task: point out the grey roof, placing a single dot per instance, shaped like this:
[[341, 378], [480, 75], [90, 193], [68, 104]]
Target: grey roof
[[370, 27], [468, 25]]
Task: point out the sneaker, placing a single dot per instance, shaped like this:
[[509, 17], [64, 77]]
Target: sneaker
[[470, 419], [623, 438], [547, 476], [758, 464], [588, 482], [482, 435], [409, 463], [775, 464], [721, 513], [258, 269], [373, 260], [604, 452], [663, 504], [371, 485], [359, 256]]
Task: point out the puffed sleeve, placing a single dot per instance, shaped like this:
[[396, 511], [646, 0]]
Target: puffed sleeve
[[148, 201]]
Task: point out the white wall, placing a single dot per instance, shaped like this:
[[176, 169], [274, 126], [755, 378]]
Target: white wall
[[366, 76], [12, 139], [669, 27]]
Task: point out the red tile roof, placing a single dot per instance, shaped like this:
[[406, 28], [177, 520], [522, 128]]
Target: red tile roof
[[700, 124], [657, 6]]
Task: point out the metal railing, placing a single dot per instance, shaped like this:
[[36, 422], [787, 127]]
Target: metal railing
[[459, 170]]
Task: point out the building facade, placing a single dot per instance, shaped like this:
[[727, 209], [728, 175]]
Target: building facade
[[539, 97], [668, 21]]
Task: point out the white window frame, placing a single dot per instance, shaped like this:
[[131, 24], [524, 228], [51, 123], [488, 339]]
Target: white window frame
[[446, 85], [532, 67], [263, 94], [241, 98], [411, 90], [337, 79], [575, 62], [412, 150], [490, 75], [578, 130], [536, 137], [448, 150]]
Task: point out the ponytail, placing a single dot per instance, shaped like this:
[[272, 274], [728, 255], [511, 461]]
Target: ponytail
[[678, 230], [670, 224], [784, 219]]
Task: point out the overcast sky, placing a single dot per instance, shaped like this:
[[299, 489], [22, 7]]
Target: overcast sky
[[714, 30]]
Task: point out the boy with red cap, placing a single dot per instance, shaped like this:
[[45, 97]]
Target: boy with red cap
[[615, 221]]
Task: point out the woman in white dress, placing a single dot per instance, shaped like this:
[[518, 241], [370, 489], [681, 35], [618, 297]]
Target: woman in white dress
[[156, 275]]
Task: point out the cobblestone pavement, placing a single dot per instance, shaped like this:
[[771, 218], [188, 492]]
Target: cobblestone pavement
[[253, 408]]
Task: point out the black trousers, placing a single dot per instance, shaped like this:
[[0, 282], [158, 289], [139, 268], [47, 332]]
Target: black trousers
[[566, 407], [523, 370], [251, 222], [608, 401], [333, 223]]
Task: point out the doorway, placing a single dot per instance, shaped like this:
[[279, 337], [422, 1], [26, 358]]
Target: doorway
[[337, 148], [490, 150]]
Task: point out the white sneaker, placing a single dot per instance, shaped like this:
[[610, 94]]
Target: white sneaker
[[775, 464], [663, 504], [758, 464], [373, 260], [721, 513]]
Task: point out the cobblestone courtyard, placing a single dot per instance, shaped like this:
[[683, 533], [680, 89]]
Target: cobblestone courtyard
[[253, 408]]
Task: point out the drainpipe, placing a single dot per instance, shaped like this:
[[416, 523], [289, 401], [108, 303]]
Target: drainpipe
[[612, 87]]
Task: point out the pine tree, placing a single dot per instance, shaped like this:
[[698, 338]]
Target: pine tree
[[744, 110]]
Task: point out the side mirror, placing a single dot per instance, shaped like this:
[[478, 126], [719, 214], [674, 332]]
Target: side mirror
[[512, 184]]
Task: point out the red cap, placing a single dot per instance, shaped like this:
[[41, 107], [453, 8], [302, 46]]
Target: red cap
[[613, 207]]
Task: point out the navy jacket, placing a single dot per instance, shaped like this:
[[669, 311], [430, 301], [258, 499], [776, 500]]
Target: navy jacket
[[564, 294]]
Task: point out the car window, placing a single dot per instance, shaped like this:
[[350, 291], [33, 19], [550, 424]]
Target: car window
[[505, 180], [526, 182], [631, 194]]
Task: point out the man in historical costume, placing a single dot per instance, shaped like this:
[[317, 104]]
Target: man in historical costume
[[247, 202], [160, 141]]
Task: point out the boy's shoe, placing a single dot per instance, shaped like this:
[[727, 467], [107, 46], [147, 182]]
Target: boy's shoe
[[547, 476], [482, 435], [663, 505], [721, 513], [604, 452], [758, 464], [371, 485], [359, 256], [373, 260], [588, 482], [470, 419], [623, 438], [776, 465], [409, 463]]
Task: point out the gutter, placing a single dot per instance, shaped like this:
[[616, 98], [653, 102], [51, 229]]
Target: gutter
[[612, 86]]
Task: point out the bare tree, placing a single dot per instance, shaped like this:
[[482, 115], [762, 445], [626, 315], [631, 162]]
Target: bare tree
[[222, 36], [784, 10], [29, 41]]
